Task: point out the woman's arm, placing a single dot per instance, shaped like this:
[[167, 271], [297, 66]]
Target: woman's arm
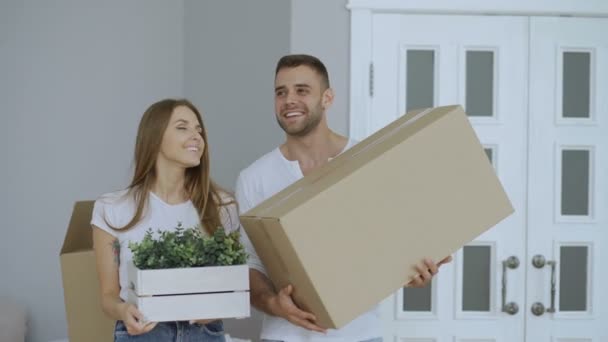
[[107, 252]]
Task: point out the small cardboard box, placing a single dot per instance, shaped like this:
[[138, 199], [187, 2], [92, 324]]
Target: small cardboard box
[[86, 320], [181, 294], [347, 235]]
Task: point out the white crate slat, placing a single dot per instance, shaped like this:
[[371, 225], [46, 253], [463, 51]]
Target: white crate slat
[[188, 280], [192, 307]]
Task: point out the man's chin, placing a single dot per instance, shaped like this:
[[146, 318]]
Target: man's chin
[[294, 131], [299, 129]]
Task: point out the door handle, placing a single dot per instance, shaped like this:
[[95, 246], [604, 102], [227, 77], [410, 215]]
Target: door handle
[[512, 263], [539, 262]]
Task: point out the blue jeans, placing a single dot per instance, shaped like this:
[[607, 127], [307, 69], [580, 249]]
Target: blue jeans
[[174, 332], [378, 339]]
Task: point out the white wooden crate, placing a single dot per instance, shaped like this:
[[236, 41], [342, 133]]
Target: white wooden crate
[[180, 294]]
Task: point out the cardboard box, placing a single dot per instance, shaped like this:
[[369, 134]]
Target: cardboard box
[[347, 235], [86, 320], [182, 294]]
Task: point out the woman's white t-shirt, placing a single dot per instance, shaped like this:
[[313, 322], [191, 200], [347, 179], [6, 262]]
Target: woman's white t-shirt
[[117, 209]]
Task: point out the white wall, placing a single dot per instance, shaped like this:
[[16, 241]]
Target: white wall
[[75, 77]]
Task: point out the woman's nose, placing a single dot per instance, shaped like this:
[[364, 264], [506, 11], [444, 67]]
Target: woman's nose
[[197, 135]]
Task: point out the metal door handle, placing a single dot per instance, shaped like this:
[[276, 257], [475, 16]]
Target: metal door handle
[[539, 261], [538, 309], [511, 308]]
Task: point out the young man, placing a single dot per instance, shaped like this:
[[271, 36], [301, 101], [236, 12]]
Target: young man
[[302, 97]]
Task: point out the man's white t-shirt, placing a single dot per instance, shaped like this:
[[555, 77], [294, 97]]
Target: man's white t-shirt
[[117, 210], [262, 179]]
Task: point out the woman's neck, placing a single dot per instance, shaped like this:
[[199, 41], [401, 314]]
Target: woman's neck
[[170, 184]]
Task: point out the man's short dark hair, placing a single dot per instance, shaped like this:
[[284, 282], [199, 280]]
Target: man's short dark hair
[[293, 61]]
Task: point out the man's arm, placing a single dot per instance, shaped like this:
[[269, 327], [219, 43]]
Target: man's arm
[[262, 293]]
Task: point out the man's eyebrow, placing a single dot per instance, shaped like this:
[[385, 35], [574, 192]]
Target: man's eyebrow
[[298, 85]]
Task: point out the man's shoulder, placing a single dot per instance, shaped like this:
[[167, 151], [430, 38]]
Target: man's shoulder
[[350, 143], [261, 166]]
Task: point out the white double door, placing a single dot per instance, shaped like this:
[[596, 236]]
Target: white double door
[[536, 91]]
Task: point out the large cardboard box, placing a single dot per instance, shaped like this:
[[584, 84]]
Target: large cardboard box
[[86, 321], [347, 235]]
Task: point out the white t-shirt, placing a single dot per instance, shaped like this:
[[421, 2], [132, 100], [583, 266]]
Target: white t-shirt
[[117, 210], [262, 179]]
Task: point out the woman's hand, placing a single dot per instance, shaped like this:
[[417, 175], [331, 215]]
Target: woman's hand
[[134, 320]]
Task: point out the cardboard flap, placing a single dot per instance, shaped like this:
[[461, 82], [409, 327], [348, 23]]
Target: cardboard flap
[[85, 317], [257, 231], [283, 264], [79, 236]]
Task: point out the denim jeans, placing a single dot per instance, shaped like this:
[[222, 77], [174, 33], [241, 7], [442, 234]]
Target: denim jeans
[[174, 332], [377, 339]]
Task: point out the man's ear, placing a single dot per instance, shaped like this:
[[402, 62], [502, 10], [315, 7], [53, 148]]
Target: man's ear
[[328, 98]]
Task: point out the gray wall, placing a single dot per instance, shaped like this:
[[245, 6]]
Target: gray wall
[[252, 108], [322, 28], [231, 48], [230, 75], [75, 77]]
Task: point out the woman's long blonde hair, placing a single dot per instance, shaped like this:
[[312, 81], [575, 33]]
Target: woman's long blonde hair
[[203, 192]]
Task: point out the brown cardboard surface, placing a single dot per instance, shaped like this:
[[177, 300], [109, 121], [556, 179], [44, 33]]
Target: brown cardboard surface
[[347, 235], [86, 320]]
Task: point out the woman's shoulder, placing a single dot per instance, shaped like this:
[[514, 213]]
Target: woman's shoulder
[[113, 209], [117, 204], [115, 198]]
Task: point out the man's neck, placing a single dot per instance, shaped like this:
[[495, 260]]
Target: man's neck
[[314, 149]]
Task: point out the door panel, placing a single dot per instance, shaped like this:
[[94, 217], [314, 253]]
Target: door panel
[[536, 91], [422, 61], [568, 219]]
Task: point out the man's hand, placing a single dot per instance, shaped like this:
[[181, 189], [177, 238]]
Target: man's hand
[[266, 299], [282, 305], [426, 270]]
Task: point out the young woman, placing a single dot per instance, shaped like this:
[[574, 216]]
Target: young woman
[[170, 187]]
